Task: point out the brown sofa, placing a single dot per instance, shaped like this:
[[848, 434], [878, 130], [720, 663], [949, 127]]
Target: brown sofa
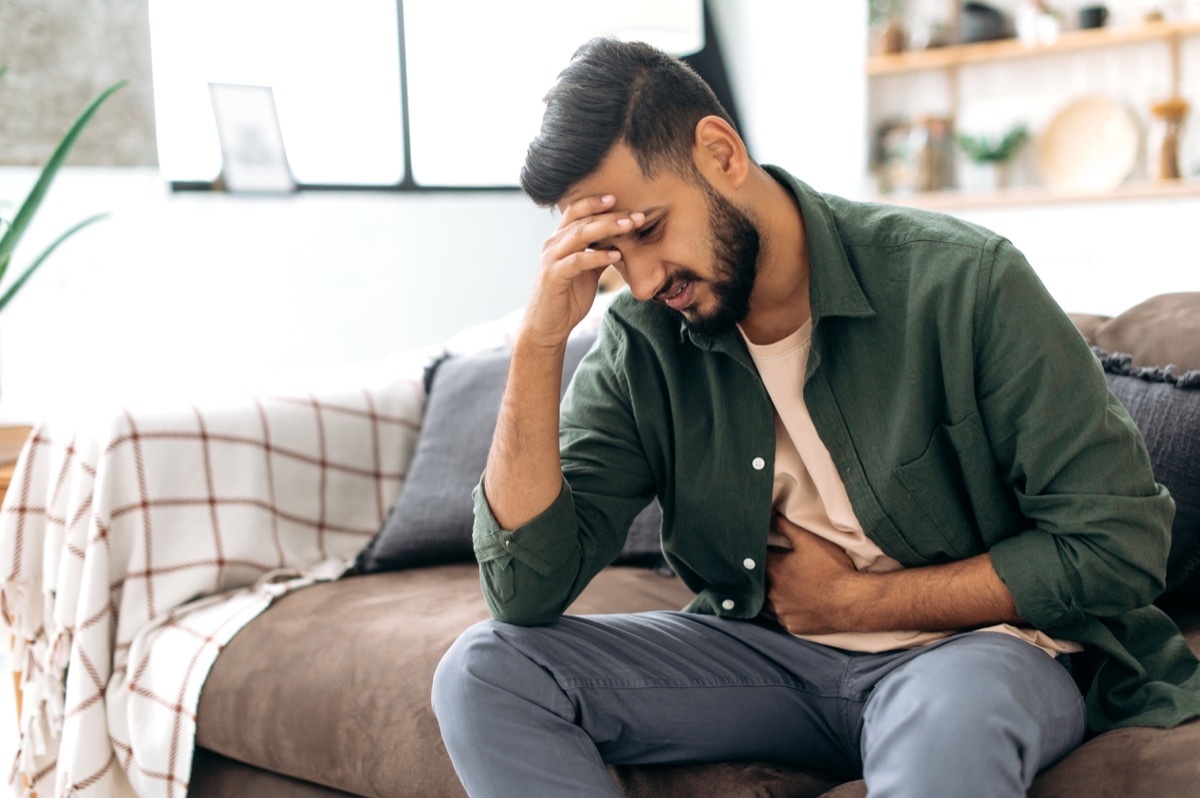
[[327, 692]]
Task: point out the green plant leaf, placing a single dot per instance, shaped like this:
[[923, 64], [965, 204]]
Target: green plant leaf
[[7, 296], [983, 150], [16, 228]]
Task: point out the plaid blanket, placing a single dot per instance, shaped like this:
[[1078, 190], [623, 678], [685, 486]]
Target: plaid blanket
[[132, 550]]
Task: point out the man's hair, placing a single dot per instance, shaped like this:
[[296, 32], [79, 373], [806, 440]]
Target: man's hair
[[612, 92]]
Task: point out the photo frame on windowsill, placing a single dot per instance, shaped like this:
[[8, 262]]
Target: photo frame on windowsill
[[253, 156]]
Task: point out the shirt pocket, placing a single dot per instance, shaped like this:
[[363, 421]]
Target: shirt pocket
[[954, 486]]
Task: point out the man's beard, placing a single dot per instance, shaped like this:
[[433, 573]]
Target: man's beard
[[735, 247]]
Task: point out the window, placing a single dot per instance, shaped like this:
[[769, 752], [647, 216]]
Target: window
[[469, 76], [332, 67]]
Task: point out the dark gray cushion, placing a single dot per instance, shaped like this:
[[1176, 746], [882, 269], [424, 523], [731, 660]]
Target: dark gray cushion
[[431, 520], [1166, 408]]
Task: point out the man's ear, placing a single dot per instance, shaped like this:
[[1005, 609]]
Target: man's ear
[[719, 152]]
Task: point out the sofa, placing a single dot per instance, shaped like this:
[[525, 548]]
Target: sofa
[[324, 691]]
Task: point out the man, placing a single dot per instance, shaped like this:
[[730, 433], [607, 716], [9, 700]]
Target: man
[[889, 468]]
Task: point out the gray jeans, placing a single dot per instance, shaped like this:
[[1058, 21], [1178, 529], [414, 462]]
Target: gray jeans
[[529, 712]]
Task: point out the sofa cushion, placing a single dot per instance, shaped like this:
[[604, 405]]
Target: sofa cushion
[[1088, 325], [216, 776], [1150, 761], [1163, 330], [331, 684], [1166, 408], [431, 520], [721, 780]]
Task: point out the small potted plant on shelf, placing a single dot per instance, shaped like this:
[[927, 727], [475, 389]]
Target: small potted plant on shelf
[[12, 229], [991, 156]]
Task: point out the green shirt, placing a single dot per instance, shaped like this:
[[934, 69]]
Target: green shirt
[[962, 409]]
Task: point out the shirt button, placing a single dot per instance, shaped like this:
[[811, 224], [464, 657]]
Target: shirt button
[[758, 463], [727, 604], [508, 544], [749, 563]]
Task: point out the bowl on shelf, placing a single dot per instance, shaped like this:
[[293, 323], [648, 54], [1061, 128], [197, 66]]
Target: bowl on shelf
[[1090, 145]]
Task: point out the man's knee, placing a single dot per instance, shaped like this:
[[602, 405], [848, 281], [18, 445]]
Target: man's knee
[[988, 703], [461, 667], [978, 680]]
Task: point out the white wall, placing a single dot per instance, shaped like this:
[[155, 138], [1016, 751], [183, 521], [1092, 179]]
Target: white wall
[[190, 288], [1104, 257], [184, 289], [796, 68]]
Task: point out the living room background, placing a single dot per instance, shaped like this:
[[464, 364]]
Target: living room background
[[191, 288]]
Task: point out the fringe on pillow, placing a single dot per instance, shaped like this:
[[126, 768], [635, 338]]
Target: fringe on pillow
[[1122, 364]]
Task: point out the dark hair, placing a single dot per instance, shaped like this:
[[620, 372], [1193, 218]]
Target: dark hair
[[611, 92]]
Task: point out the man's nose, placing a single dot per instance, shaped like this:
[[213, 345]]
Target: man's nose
[[645, 276]]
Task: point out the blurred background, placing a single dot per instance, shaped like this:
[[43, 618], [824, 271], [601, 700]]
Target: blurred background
[[297, 184]]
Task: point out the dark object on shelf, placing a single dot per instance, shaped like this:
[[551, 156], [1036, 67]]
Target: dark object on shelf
[[1093, 17], [982, 23]]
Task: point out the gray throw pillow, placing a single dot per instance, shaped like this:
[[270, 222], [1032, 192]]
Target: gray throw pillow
[[432, 519], [1166, 408]]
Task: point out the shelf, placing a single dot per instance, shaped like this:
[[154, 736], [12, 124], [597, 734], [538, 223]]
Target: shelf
[[951, 201], [1012, 49]]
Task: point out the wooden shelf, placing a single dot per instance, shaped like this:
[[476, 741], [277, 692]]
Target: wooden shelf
[[951, 201], [1012, 49]]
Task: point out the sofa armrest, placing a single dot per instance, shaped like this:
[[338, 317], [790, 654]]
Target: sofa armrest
[[110, 526]]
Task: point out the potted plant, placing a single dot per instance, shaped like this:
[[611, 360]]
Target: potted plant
[[992, 156], [14, 228]]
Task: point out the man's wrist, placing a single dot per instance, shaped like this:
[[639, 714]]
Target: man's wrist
[[532, 344], [852, 595], [961, 595]]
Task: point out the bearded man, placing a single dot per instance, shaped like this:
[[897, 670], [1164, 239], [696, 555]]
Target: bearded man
[[889, 469]]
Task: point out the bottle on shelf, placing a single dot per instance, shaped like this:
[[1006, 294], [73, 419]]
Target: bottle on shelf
[[1166, 120]]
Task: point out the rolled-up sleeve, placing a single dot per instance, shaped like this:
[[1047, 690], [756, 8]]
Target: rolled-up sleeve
[[543, 555]]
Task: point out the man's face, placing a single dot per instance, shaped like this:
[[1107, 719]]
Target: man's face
[[696, 253]]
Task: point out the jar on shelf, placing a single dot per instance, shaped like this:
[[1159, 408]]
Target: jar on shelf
[[1162, 150], [915, 156]]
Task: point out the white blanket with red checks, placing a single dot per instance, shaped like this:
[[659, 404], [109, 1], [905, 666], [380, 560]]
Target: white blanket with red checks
[[131, 552]]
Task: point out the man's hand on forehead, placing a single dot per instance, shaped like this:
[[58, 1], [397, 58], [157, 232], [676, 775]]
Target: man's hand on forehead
[[597, 222], [572, 260]]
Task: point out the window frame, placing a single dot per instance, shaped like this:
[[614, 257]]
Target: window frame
[[708, 62]]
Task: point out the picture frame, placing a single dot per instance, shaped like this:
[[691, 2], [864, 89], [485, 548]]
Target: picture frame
[[253, 156]]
